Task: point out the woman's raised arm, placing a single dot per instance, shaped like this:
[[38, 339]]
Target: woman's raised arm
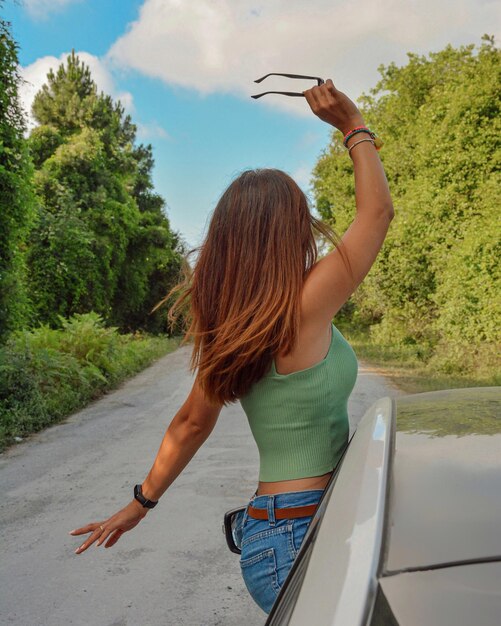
[[331, 282]]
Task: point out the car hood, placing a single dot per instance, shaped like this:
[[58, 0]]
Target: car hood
[[461, 595], [445, 483]]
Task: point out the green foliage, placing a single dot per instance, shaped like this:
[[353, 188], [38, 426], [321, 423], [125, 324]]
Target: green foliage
[[44, 141], [62, 262], [409, 366], [48, 373], [16, 196], [101, 241], [154, 252], [436, 281]]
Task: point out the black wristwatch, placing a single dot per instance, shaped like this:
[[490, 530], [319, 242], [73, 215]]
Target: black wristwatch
[[138, 494]]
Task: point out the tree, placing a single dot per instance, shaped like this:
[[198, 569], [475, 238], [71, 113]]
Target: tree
[[101, 233], [16, 197], [154, 251], [434, 282]]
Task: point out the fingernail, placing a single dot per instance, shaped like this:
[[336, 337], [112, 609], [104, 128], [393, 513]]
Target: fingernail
[[77, 550], [71, 532]]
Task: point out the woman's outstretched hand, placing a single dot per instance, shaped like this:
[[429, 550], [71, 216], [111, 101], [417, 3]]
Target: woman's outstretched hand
[[113, 528], [334, 107]]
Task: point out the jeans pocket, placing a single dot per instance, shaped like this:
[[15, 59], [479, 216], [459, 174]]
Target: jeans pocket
[[267, 556], [260, 576]]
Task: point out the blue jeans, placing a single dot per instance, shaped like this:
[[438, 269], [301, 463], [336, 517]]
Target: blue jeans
[[270, 546]]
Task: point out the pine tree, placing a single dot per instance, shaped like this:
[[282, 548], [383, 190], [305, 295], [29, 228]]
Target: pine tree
[[101, 232]]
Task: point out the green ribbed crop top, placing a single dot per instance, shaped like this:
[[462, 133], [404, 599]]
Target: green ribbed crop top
[[300, 420]]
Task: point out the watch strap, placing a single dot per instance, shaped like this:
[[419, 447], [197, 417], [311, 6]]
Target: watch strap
[[138, 495]]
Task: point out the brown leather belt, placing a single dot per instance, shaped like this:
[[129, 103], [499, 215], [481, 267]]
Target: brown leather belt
[[285, 513]]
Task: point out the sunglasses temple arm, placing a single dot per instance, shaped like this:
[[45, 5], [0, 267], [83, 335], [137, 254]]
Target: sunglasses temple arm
[[282, 93], [320, 81]]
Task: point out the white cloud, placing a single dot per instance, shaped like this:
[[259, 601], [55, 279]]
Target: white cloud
[[302, 176], [221, 45], [36, 75], [41, 9], [309, 138], [153, 130]]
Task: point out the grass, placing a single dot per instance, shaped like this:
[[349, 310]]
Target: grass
[[47, 374], [411, 369]]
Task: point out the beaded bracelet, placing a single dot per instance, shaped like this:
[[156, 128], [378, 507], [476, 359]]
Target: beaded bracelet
[[354, 131], [378, 142], [360, 141]]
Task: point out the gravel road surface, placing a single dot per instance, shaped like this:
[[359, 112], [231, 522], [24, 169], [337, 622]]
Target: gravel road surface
[[174, 569]]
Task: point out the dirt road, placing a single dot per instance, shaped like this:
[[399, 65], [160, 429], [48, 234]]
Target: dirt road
[[174, 569]]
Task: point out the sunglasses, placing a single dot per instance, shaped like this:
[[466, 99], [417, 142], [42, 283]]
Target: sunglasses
[[232, 529], [320, 81]]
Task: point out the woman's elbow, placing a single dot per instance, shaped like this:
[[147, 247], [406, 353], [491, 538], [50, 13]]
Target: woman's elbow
[[386, 210], [200, 425], [383, 212], [390, 211]]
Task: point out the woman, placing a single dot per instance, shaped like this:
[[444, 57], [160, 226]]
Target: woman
[[261, 308]]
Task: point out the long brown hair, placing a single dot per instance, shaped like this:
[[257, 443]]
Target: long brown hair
[[241, 301]]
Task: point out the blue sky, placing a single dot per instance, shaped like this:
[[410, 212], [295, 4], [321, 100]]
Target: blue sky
[[184, 71]]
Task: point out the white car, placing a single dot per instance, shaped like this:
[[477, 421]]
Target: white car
[[408, 531]]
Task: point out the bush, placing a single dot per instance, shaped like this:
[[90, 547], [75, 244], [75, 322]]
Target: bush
[[46, 374]]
